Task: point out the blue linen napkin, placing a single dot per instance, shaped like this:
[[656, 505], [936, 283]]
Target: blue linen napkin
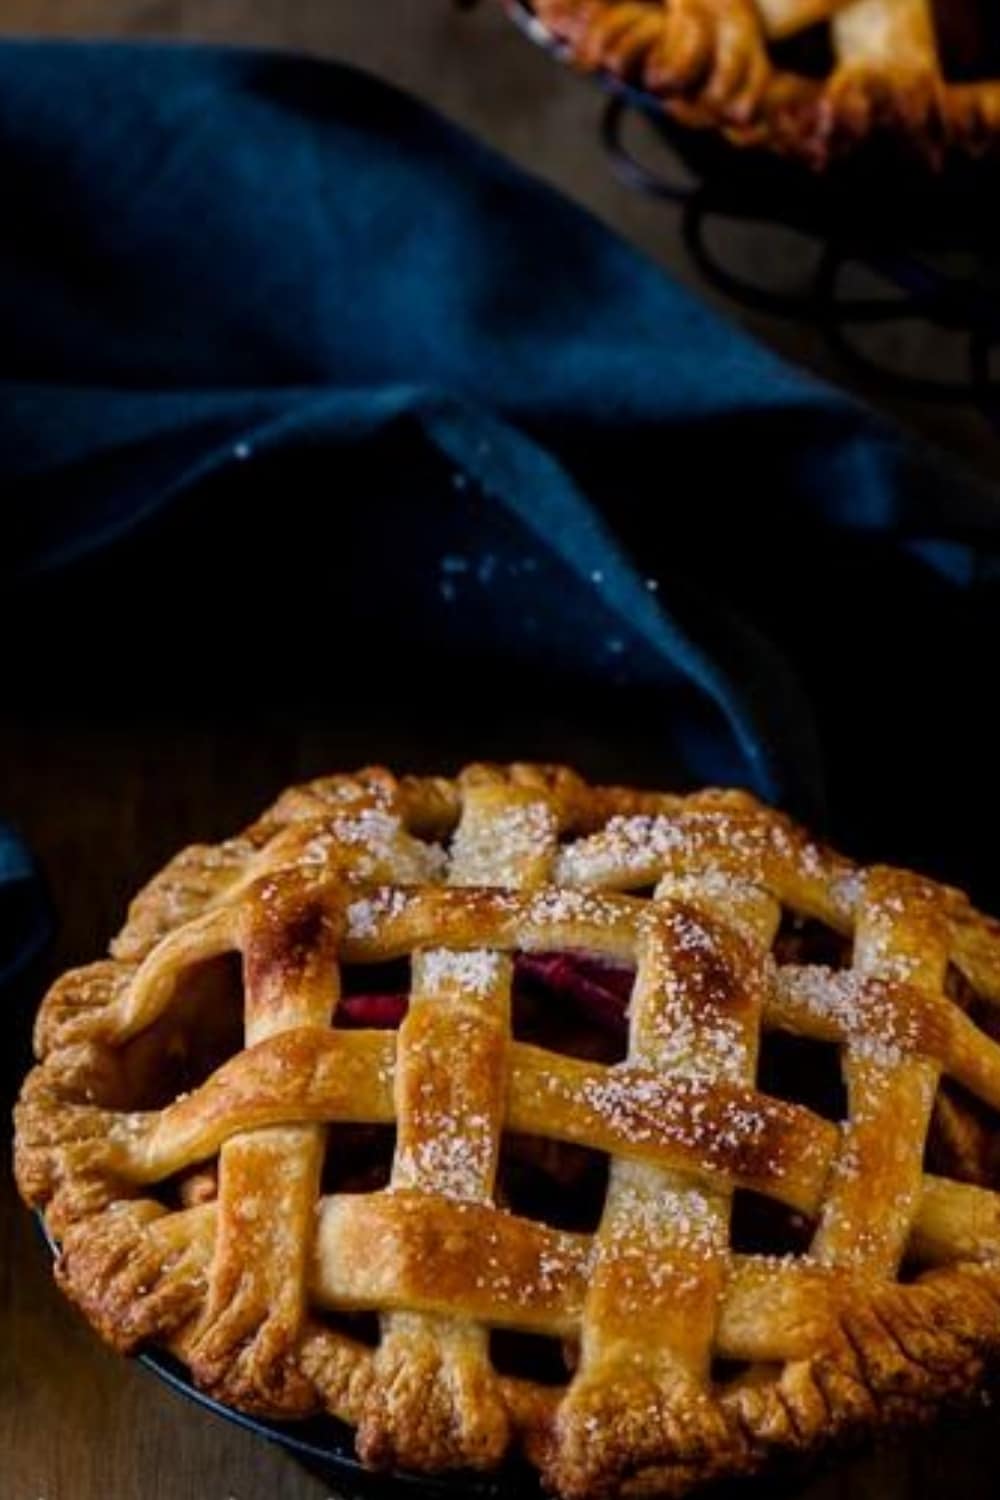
[[295, 371], [25, 912]]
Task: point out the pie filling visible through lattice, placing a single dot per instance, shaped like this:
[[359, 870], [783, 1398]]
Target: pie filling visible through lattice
[[634, 1132], [807, 78]]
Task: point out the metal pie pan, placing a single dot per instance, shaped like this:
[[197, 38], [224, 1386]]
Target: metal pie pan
[[325, 1446]]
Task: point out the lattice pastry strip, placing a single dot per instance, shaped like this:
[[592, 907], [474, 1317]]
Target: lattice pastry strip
[[578, 1096], [269, 1177], [237, 1279], [662, 1249], [434, 1392], [875, 1194]]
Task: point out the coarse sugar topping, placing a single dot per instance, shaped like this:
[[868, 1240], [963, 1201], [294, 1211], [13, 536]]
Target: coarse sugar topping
[[556, 905], [452, 1161], [874, 1016], [517, 837], [366, 915], [475, 971], [714, 1124], [642, 845], [381, 835]]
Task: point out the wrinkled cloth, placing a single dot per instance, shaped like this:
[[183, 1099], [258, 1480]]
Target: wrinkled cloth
[[302, 384]]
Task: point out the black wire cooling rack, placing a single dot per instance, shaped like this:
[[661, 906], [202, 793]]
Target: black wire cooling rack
[[893, 245]]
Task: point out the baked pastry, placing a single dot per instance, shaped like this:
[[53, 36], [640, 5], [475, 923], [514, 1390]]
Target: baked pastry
[[599, 1233], [807, 78]]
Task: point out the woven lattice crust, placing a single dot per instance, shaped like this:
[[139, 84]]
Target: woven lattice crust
[[715, 64], [200, 1221]]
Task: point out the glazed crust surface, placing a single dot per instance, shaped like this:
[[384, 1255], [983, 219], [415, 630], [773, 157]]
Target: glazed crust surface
[[197, 1218], [723, 64]]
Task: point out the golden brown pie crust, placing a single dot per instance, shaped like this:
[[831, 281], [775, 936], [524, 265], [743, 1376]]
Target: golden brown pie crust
[[248, 1271], [717, 64]]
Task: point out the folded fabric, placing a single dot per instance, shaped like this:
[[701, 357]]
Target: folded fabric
[[300, 382], [25, 911]]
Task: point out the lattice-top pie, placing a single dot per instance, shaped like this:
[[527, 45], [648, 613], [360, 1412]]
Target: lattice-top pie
[[637, 1133], [806, 77]]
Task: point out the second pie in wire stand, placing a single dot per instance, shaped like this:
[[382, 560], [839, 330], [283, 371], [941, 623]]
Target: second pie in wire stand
[[810, 79]]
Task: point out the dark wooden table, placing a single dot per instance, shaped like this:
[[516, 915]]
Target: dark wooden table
[[106, 796]]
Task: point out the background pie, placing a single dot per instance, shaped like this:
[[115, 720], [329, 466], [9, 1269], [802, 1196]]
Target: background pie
[[805, 77]]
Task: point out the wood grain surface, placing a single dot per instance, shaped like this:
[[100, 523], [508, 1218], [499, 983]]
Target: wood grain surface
[[106, 798]]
